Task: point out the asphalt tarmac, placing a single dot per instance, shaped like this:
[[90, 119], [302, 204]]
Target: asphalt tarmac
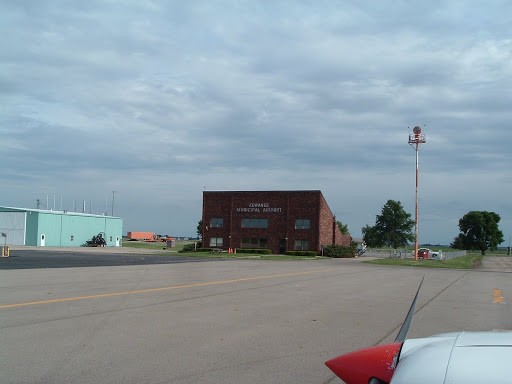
[[235, 321], [90, 257]]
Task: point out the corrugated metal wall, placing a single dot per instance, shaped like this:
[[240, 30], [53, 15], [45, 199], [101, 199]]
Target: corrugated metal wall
[[13, 225], [114, 231], [71, 229], [31, 228], [50, 226], [76, 230]]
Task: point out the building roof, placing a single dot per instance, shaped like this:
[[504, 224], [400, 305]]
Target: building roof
[[275, 191], [49, 211]]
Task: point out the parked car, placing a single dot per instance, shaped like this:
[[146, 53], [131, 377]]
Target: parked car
[[425, 253]]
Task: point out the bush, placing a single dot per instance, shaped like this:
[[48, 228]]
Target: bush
[[259, 251], [302, 253], [194, 247], [338, 251]]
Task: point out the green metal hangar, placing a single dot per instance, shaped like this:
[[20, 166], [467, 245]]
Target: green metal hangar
[[38, 227], [277, 220]]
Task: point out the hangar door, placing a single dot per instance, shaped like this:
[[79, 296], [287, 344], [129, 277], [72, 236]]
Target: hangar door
[[13, 224]]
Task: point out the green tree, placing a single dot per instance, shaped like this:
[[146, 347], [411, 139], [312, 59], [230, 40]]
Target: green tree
[[479, 230], [458, 243], [370, 236], [343, 227], [393, 227], [200, 229]]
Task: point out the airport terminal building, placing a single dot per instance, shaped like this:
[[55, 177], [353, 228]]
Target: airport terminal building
[[277, 220], [39, 227]]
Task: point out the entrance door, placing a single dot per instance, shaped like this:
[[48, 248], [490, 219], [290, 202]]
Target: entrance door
[[117, 241], [43, 240], [282, 246]]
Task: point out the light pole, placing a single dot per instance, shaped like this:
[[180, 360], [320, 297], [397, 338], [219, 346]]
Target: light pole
[[415, 139], [113, 199]]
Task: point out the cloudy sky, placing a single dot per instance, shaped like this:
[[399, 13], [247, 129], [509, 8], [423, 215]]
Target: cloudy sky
[[160, 100]]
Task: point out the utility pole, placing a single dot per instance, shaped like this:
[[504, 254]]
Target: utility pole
[[113, 199], [415, 139]]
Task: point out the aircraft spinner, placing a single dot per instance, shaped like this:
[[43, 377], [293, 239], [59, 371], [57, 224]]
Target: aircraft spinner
[[457, 357]]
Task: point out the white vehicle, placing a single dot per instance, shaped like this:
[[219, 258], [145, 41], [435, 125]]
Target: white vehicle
[[431, 255]]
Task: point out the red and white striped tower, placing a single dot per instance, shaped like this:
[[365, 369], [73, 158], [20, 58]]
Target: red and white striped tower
[[415, 139]]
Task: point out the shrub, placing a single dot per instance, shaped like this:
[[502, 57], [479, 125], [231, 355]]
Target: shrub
[[259, 251], [194, 247], [302, 253], [338, 251]]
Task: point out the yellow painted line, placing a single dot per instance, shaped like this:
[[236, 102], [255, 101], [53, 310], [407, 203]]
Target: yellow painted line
[[497, 298], [138, 291]]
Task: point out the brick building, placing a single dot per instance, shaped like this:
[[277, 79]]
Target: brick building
[[277, 220]]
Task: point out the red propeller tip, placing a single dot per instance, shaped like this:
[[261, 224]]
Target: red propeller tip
[[360, 366]]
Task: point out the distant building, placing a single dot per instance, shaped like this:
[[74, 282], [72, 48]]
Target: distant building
[[39, 227], [140, 235], [277, 220]]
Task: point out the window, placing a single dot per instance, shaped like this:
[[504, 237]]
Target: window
[[254, 243], [111, 238], [302, 224], [216, 222], [216, 242], [254, 223], [72, 237], [301, 245]]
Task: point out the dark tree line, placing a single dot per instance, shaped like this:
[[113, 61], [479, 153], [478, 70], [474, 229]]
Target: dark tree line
[[394, 228]]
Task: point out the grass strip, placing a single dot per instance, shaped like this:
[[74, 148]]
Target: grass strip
[[463, 262]]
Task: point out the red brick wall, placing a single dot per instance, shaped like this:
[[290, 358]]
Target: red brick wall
[[281, 208], [330, 233]]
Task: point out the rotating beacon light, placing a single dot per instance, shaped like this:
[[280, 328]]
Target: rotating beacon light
[[415, 139]]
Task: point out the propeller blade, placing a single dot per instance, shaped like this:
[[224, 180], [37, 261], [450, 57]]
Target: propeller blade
[[361, 367], [374, 365], [402, 334]]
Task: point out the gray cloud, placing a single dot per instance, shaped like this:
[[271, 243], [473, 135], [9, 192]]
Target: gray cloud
[[159, 100]]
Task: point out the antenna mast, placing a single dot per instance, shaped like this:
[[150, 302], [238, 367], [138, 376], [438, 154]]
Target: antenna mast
[[415, 139], [113, 198]]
